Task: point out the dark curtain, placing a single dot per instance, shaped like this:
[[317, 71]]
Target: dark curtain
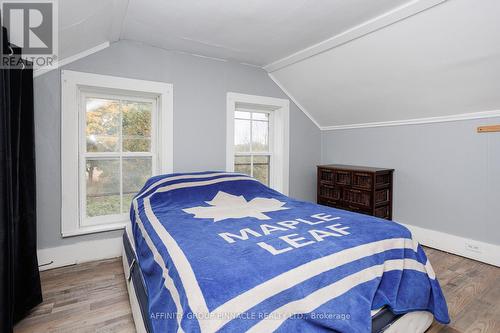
[[20, 287]]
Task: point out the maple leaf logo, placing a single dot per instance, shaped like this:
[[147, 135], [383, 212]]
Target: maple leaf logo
[[227, 206]]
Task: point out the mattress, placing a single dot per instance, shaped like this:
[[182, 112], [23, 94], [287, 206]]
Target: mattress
[[383, 320]]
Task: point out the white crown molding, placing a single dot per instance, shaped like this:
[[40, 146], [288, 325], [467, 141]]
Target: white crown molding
[[398, 14], [417, 121], [75, 57], [302, 108], [481, 251]]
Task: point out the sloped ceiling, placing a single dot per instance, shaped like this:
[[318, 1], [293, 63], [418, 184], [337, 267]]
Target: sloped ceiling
[[84, 24], [257, 32], [442, 61]]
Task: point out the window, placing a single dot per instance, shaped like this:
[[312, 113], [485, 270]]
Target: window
[[118, 153], [257, 138], [116, 133], [252, 153]]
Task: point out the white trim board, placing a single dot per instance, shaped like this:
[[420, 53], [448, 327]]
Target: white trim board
[[70, 59], [80, 252], [418, 121], [294, 100], [393, 16], [465, 247]]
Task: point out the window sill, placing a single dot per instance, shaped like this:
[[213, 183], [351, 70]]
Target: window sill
[[94, 229]]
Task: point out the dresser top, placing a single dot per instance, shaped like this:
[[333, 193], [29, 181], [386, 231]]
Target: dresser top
[[353, 167]]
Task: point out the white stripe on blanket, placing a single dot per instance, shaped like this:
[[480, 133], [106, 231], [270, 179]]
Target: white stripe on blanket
[[334, 290], [201, 176], [291, 278], [168, 282], [200, 183], [191, 287]]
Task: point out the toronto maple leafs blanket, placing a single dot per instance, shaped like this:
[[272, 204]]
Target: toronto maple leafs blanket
[[222, 252]]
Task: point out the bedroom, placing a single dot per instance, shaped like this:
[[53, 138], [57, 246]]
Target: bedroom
[[304, 149]]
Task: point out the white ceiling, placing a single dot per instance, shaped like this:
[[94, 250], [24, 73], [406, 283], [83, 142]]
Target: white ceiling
[[443, 61], [256, 32]]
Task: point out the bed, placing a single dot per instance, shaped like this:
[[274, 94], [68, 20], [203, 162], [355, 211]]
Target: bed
[[220, 252]]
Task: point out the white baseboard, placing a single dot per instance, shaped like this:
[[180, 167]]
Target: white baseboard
[[465, 247], [80, 252]]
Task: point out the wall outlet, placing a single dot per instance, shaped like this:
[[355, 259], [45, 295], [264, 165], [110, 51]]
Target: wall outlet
[[473, 247]]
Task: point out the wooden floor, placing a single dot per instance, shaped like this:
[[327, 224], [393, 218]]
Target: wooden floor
[[472, 291], [90, 297], [93, 297]]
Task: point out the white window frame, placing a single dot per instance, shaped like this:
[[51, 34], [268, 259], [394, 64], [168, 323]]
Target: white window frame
[[74, 87], [279, 135]]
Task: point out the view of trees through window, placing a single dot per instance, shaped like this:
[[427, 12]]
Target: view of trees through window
[[119, 155], [251, 144]]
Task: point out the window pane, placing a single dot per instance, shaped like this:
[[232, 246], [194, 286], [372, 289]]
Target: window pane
[[260, 136], [137, 126], [242, 164], [242, 115], [103, 125], [241, 135], [260, 116], [136, 170], [261, 169], [103, 186]]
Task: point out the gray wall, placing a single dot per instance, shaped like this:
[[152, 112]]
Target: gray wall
[[200, 87], [447, 176]]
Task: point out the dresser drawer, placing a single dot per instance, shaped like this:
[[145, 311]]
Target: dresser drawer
[[357, 197], [382, 212], [342, 177], [325, 176], [362, 180], [382, 196], [330, 192], [383, 179]]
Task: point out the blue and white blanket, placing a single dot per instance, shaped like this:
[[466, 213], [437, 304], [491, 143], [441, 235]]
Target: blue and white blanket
[[222, 252]]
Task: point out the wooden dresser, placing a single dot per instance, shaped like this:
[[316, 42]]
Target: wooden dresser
[[356, 188]]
